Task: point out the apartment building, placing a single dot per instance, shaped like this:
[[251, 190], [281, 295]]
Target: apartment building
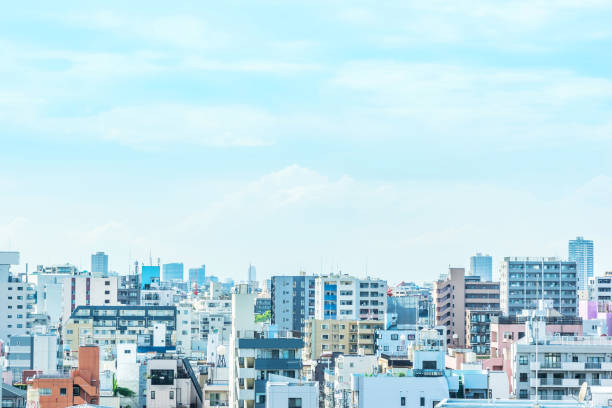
[[87, 290], [128, 292], [343, 297], [292, 301], [17, 299], [289, 393], [454, 294], [82, 386], [397, 341], [171, 383], [33, 353], [344, 336], [49, 284], [150, 327], [478, 331], [525, 281], [337, 388], [409, 303]]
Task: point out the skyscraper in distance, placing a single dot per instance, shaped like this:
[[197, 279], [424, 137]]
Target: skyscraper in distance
[[482, 265], [99, 263], [197, 275], [252, 273], [172, 272], [581, 251]]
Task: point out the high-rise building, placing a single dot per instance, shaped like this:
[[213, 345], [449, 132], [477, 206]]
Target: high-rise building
[[252, 274], [580, 250], [197, 275], [525, 281], [344, 297], [150, 274], [482, 265], [99, 264], [173, 272], [16, 299], [292, 301]]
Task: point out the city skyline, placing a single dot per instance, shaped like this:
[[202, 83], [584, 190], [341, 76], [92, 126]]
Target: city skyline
[[340, 134]]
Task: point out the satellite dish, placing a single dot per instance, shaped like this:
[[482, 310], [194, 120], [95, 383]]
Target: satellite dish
[[221, 350], [583, 391]]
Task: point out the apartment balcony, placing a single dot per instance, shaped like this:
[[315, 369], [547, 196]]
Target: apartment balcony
[[246, 394], [246, 373], [570, 382], [606, 382], [606, 366], [572, 366], [277, 364]]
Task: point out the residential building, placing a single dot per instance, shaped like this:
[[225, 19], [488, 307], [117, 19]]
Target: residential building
[[599, 312], [477, 330], [128, 292], [88, 291], [343, 336], [171, 383], [110, 326], [482, 265], [409, 303], [12, 397], [82, 386], [49, 284], [150, 274], [525, 281], [394, 391], [159, 295], [600, 289], [292, 301], [216, 387], [343, 297], [262, 304], [99, 264], [456, 293], [509, 403], [173, 272], [128, 367], [256, 352], [37, 352], [284, 392], [197, 275], [17, 299], [338, 380], [396, 342], [580, 250]]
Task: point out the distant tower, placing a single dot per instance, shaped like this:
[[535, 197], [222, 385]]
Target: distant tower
[[252, 274], [482, 265], [99, 264], [580, 250]]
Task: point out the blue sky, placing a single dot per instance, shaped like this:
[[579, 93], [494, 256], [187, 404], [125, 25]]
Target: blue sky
[[400, 137]]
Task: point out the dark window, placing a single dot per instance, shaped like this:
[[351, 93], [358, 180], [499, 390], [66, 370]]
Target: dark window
[[62, 391], [523, 377], [171, 394], [162, 377], [422, 401], [152, 394], [295, 403], [403, 401], [430, 365], [524, 394], [76, 390]]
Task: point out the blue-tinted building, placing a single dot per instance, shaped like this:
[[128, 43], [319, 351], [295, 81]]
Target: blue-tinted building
[[482, 265], [99, 264], [197, 275], [292, 301], [580, 250], [173, 271], [150, 274]]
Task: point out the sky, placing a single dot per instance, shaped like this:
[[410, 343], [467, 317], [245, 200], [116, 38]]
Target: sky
[[388, 138]]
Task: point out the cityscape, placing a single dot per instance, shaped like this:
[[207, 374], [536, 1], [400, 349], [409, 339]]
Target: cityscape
[[306, 204]]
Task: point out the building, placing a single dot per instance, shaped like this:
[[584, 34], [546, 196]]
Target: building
[[82, 386], [283, 392], [171, 383], [88, 291], [150, 274], [525, 281], [128, 367], [509, 403], [159, 295], [454, 294], [256, 352], [477, 330], [559, 365], [396, 342], [338, 380], [252, 278], [17, 299], [600, 288], [343, 336], [409, 303], [391, 391], [598, 313], [173, 272], [216, 387], [37, 352], [49, 284], [99, 264], [292, 301], [343, 297], [128, 292], [150, 327], [197, 275], [580, 250], [12, 397], [482, 265], [262, 304]]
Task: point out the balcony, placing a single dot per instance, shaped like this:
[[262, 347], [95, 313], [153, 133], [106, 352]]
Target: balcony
[[246, 394], [571, 382], [592, 366], [246, 373], [572, 366], [277, 364]]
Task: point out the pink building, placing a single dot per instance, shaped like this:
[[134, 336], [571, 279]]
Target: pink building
[[507, 329], [592, 309]]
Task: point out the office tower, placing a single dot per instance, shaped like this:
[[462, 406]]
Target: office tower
[[344, 297], [150, 274], [252, 274], [482, 265], [292, 301], [88, 291], [99, 264], [456, 293], [197, 275], [525, 281], [16, 299], [580, 250], [173, 272]]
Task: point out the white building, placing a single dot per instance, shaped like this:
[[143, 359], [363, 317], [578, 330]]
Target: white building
[[183, 327], [171, 383], [283, 392], [600, 287], [394, 391], [396, 342], [157, 296], [344, 297], [88, 291], [35, 352], [127, 367], [16, 300], [338, 384], [49, 283]]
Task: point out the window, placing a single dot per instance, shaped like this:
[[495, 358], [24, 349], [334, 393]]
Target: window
[[523, 377], [294, 403], [62, 391], [171, 394], [403, 401], [394, 337], [523, 360], [422, 401], [44, 391], [524, 394], [152, 394], [106, 283]]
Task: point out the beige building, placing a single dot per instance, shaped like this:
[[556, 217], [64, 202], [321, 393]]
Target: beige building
[[343, 336], [454, 294]]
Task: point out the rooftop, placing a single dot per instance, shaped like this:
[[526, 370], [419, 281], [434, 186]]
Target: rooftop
[[472, 403]]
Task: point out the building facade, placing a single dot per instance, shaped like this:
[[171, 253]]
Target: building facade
[[580, 250], [342, 336], [99, 264], [17, 299], [525, 281], [482, 265], [173, 272], [343, 297], [85, 290], [292, 301], [171, 383]]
